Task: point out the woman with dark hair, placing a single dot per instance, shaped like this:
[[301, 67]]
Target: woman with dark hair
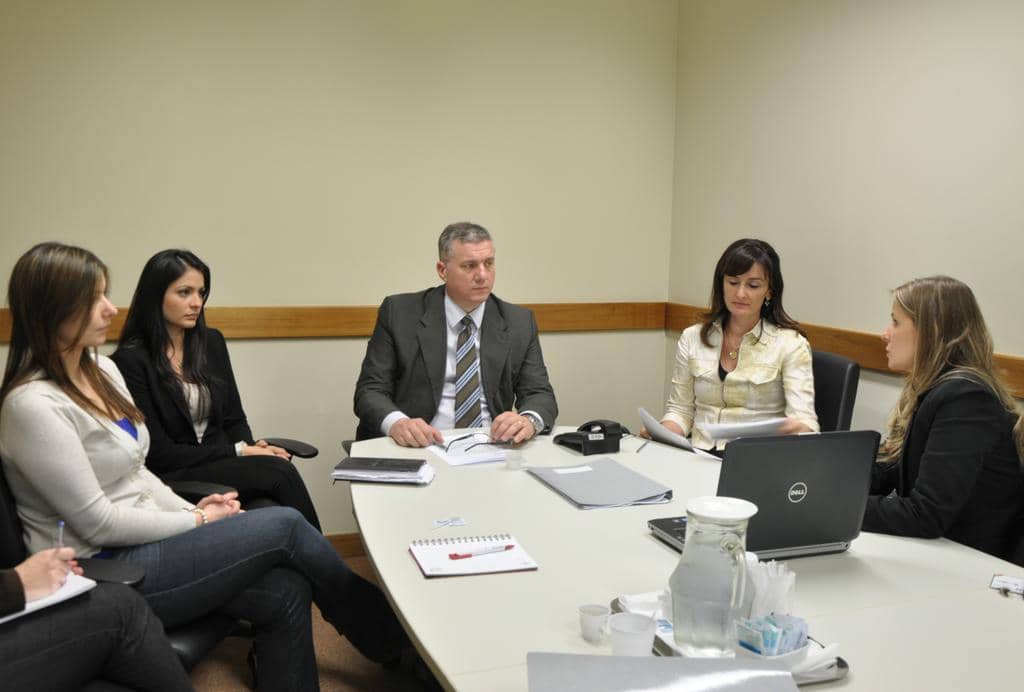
[[954, 447], [179, 374], [74, 444], [747, 360]]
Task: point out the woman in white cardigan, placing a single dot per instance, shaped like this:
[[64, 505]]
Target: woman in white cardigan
[[74, 448]]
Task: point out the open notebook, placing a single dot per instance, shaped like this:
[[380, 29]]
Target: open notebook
[[74, 586], [448, 557]]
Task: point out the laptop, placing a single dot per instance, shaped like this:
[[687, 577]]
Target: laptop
[[810, 492]]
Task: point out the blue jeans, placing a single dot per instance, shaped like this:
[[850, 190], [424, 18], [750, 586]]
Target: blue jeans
[[263, 566]]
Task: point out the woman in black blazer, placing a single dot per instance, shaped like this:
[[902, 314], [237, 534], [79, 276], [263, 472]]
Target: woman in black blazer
[[951, 463], [179, 373]]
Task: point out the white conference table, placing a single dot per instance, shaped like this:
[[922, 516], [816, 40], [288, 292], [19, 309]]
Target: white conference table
[[907, 613]]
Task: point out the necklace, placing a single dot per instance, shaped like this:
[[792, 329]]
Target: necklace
[[734, 353], [175, 360]]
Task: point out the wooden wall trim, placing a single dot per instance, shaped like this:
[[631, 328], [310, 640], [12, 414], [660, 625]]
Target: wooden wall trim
[[592, 317], [334, 321], [292, 322]]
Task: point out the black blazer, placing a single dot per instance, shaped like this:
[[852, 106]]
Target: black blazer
[[173, 444], [12, 593], [959, 476], [405, 361]]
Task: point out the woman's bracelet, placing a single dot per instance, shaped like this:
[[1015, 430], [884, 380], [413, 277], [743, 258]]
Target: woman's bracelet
[[201, 512]]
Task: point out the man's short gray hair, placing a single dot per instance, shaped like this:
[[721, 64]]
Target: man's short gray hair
[[464, 232]]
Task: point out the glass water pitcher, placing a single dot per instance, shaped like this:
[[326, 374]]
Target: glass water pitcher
[[708, 584]]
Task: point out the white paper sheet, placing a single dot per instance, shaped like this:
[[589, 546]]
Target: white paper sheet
[[659, 433], [468, 451], [730, 431], [74, 586]]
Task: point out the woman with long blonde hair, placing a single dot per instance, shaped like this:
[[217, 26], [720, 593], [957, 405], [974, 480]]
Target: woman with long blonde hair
[[953, 450]]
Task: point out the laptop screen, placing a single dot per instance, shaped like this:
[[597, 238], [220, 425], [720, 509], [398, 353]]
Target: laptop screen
[[810, 490]]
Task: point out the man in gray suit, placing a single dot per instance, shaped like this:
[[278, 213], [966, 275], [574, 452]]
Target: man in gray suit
[[454, 356]]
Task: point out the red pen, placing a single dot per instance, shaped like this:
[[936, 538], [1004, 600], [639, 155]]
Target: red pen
[[488, 551]]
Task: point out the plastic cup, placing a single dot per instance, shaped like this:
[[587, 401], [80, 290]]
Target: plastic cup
[[592, 620], [632, 634], [514, 459]]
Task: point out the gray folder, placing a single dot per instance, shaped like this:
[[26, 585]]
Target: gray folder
[[602, 483], [554, 672]]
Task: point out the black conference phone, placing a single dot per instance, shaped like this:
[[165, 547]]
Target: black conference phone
[[594, 437]]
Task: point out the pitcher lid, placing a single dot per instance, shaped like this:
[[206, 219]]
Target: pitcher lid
[[721, 508]]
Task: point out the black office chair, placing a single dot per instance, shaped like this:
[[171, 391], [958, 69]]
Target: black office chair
[[296, 448], [193, 491], [835, 390], [191, 641]]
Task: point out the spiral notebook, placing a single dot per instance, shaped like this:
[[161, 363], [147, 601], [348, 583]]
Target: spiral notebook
[[449, 557]]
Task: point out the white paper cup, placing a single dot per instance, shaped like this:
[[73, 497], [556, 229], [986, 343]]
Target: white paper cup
[[592, 620], [632, 634]]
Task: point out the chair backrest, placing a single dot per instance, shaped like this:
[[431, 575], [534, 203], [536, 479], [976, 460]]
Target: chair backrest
[[12, 540], [835, 390]]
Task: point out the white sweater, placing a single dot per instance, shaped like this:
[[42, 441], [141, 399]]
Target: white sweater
[[63, 462]]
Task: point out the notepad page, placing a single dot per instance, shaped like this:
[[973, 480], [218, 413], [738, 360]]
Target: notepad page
[[433, 555], [73, 586]]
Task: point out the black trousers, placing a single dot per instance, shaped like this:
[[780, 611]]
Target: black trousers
[[255, 477], [108, 637]]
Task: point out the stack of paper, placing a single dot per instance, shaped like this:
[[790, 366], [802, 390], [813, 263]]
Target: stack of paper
[[383, 470]]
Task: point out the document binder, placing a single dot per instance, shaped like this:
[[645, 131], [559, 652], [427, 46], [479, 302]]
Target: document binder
[[556, 672], [383, 470], [602, 483]]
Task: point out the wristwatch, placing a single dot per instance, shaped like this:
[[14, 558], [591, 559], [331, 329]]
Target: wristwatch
[[538, 422]]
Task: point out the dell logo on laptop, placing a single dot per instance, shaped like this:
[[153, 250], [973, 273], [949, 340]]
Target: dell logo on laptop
[[797, 491]]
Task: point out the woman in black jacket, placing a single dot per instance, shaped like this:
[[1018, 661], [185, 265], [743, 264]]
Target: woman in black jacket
[[950, 465], [179, 373]]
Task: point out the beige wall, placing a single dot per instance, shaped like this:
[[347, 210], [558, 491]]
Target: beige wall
[[311, 152], [870, 142]]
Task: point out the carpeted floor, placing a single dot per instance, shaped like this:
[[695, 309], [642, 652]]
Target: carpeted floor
[[342, 668]]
